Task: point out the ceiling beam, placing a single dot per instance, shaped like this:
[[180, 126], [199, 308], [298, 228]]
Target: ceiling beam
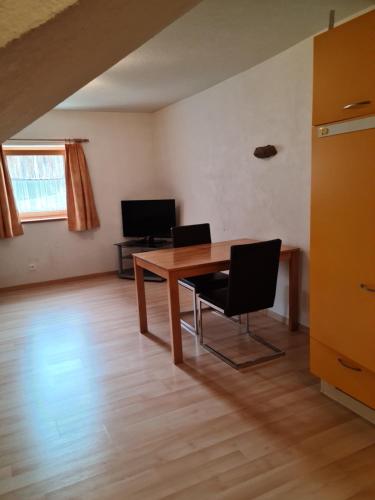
[[52, 61]]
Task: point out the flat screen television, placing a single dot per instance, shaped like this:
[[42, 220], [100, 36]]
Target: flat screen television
[[148, 218]]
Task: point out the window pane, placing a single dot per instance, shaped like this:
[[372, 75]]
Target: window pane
[[38, 182]]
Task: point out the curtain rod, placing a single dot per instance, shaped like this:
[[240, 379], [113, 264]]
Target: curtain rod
[[48, 140]]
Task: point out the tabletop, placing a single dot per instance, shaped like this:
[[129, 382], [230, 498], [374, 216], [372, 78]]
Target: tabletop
[[196, 255]]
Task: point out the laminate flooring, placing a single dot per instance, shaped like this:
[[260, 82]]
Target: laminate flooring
[[91, 409]]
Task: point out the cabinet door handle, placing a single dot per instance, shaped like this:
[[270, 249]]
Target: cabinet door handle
[[344, 364], [356, 104], [367, 288]]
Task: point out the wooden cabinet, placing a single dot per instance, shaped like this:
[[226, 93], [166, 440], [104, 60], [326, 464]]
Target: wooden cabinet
[[344, 71], [343, 243], [342, 372], [342, 249]]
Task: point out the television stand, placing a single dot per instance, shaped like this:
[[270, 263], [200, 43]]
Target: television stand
[[126, 249], [151, 243]]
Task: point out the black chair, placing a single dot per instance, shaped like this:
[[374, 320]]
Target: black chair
[[251, 287], [196, 234]]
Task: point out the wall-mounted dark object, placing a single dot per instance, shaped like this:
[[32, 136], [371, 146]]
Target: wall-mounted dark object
[[331, 22], [265, 151]]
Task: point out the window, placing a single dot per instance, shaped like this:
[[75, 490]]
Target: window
[[38, 180]]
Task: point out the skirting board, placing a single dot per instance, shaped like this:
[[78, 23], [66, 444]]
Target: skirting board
[[352, 404], [53, 282], [284, 319]]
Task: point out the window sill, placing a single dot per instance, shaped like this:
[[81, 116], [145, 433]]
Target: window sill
[[42, 219]]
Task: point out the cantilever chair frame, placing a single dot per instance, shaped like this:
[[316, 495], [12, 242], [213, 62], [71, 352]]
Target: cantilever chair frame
[[194, 328], [191, 328], [277, 353]]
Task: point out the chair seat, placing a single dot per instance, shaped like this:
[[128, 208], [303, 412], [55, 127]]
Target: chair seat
[[204, 282], [217, 298]]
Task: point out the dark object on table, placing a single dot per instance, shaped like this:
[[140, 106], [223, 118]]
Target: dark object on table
[[265, 151]]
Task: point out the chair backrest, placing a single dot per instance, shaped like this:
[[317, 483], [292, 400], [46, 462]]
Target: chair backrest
[[252, 277], [195, 234]]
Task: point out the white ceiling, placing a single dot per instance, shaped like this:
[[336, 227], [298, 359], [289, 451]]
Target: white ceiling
[[214, 41]]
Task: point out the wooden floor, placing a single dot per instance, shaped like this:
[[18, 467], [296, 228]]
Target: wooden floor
[[91, 409]]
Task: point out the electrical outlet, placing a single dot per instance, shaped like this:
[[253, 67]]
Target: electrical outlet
[[32, 266]]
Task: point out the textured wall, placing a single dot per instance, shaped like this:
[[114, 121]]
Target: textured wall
[[16, 18], [204, 149], [119, 156]]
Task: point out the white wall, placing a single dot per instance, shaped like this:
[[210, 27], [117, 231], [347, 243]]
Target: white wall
[[204, 150], [119, 156]]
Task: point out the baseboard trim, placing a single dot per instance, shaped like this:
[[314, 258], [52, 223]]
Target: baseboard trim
[[344, 399], [284, 319], [57, 281]]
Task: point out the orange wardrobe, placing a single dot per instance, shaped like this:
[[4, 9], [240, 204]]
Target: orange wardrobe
[[343, 209]]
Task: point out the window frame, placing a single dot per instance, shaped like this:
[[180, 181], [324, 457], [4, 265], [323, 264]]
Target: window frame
[[38, 151]]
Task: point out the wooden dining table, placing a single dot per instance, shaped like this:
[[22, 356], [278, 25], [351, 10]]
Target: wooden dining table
[[174, 264]]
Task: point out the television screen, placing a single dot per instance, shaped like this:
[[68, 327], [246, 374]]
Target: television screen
[[148, 217]]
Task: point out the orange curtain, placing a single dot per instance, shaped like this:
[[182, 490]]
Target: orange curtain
[[81, 210], [10, 224]]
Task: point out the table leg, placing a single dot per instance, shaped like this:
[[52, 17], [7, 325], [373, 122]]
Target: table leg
[[174, 320], [294, 291], [141, 297], [120, 268]]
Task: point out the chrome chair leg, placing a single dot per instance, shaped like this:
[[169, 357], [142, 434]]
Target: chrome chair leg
[[191, 328], [276, 352], [195, 311], [200, 321]]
